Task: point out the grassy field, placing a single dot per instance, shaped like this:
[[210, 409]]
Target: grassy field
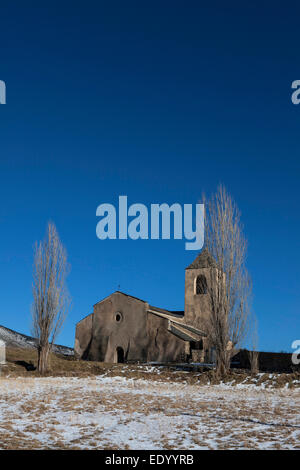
[[23, 363], [105, 412], [92, 405]]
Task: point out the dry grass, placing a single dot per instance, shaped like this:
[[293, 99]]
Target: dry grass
[[40, 413], [20, 360]]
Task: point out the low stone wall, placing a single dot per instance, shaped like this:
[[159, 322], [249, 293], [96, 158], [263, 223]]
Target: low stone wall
[[197, 356], [268, 361]]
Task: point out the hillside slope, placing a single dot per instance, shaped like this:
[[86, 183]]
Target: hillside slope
[[13, 339]]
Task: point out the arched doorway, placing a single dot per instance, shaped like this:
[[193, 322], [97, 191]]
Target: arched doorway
[[120, 355]]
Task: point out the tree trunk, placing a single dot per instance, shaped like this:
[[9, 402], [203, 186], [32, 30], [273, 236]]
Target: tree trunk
[[222, 363], [43, 355], [254, 362]]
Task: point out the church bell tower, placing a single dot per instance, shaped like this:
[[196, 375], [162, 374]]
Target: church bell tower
[[198, 276]]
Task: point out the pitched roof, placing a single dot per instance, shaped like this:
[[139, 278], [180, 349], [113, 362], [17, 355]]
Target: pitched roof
[[203, 260], [170, 313], [122, 293], [175, 313], [178, 325]]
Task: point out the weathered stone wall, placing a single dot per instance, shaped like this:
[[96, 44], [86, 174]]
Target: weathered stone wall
[[83, 337], [197, 307], [198, 355], [121, 321], [129, 333], [163, 346], [268, 361]]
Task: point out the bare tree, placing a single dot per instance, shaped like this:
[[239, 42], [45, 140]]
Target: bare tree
[[229, 285], [253, 354], [51, 299]]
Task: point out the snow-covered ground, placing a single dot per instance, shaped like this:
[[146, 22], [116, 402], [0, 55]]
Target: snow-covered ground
[[121, 413]]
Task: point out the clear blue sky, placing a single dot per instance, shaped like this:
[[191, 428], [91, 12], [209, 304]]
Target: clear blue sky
[[159, 101]]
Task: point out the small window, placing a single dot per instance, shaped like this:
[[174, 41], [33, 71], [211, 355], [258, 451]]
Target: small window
[[201, 285], [118, 317]]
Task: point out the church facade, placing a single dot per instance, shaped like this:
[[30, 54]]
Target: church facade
[[123, 328]]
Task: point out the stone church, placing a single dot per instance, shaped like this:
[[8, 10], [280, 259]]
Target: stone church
[[123, 328]]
